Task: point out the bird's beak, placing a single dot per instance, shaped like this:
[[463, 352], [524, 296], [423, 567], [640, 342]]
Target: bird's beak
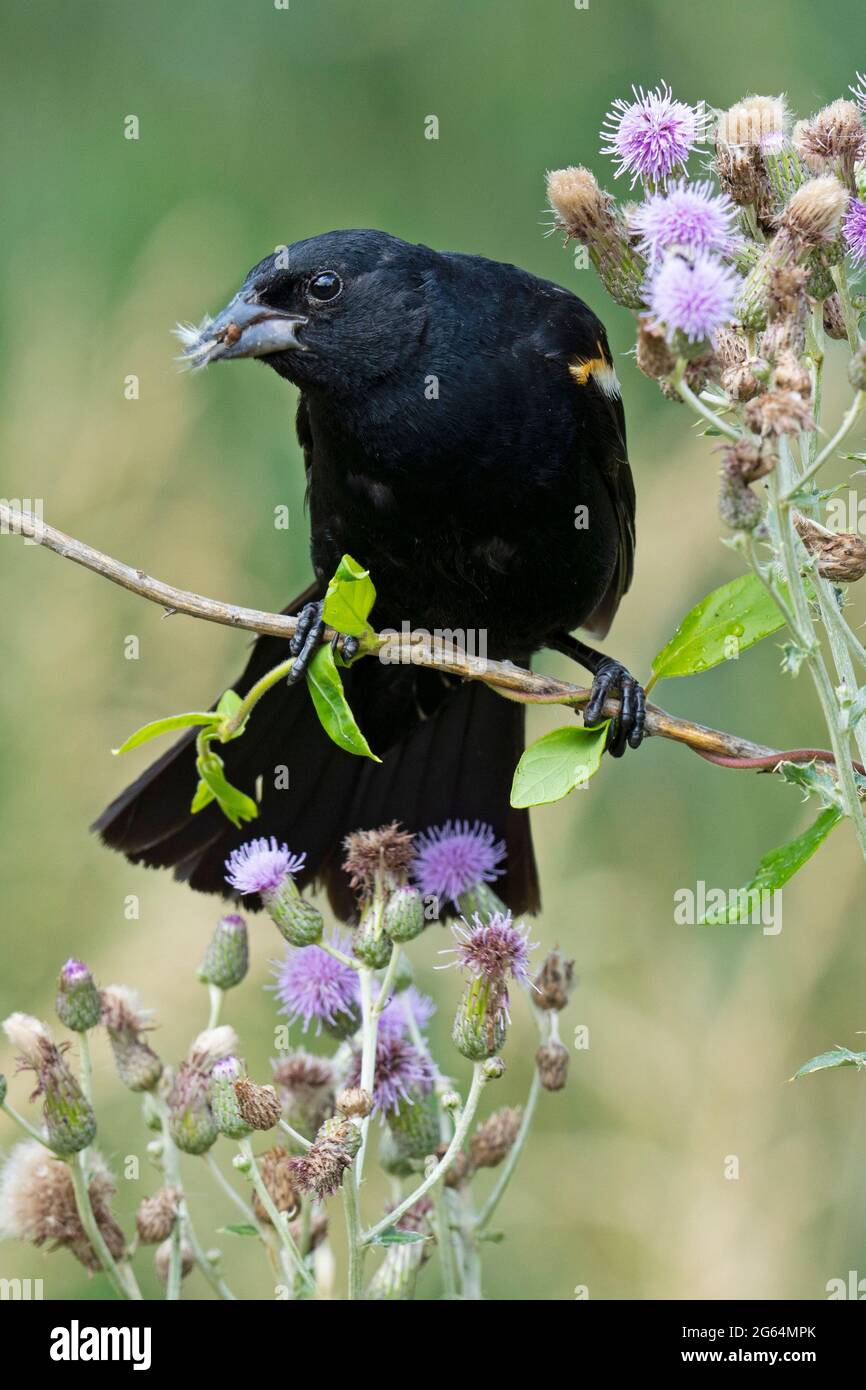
[[244, 328]]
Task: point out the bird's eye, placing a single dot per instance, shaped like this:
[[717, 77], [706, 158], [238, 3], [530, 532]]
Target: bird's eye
[[325, 286]]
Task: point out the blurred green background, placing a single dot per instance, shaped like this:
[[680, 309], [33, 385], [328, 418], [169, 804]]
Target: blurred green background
[[257, 127]]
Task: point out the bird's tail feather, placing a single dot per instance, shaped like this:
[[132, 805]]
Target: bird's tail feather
[[448, 749]]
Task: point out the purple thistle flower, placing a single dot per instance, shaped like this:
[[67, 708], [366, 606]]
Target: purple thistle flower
[[454, 857], [402, 1073], [491, 951], [689, 215], [854, 228], [261, 865], [410, 1004], [650, 136], [314, 986], [694, 297]]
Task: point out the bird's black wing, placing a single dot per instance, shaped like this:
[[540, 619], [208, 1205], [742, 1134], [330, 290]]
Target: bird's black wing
[[576, 341]]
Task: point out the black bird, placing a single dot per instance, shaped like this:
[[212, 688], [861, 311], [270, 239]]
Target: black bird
[[464, 439]]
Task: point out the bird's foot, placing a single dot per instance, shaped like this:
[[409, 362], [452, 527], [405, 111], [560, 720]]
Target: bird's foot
[[627, 727], [308, 635]]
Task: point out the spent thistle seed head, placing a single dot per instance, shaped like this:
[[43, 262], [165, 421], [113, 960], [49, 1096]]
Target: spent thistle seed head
[[37, 1203], [125, 1022], [70, 1124], [377, 861]]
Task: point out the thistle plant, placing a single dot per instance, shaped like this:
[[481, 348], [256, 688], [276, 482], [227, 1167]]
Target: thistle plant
[[289, 1150], [740, 249]]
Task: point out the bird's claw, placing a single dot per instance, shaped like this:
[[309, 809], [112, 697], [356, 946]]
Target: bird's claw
[[626, 728], [308, 635]]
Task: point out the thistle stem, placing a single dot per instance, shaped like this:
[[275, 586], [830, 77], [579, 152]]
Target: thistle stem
[[507, 1170], [677, 379], [278, 1219], [78, 1170], [461, 1129], [294, 1134], [25, 1125], [848, 422], [216, 1003]]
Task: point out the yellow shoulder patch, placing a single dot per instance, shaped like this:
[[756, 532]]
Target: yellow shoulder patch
[[582, 369]]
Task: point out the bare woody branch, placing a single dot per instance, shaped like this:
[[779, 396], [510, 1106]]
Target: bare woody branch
[[417, 648]]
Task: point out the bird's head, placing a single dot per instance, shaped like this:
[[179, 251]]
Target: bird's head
[[336, 311]]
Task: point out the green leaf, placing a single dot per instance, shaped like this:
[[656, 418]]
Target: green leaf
[[235, 805], [349, 598], [394, 1237], [230, 703], [814, 780], [203, 797], [332, 707], [778, 866], [165, 726], [557, 763], [839, 1057], [741, 610], [239, 1230]]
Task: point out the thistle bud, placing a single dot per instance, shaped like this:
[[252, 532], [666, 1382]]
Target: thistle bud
[[162, 1260], [70, 1124], [480, 899], [370, 944], [227, 957], [404, 914], [589, 216], [276, 1173], [224, 1100], [839, 556], [552, 1060], [415, 1126], [137, 1064], [298, 921], [354, 1102], [857, 369], [392, 1159], [78, 1004], [479, 1025], [493, 1139], [493, 1069], [156, 1216], [554, 982], [192, 1124], [739, 507]]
